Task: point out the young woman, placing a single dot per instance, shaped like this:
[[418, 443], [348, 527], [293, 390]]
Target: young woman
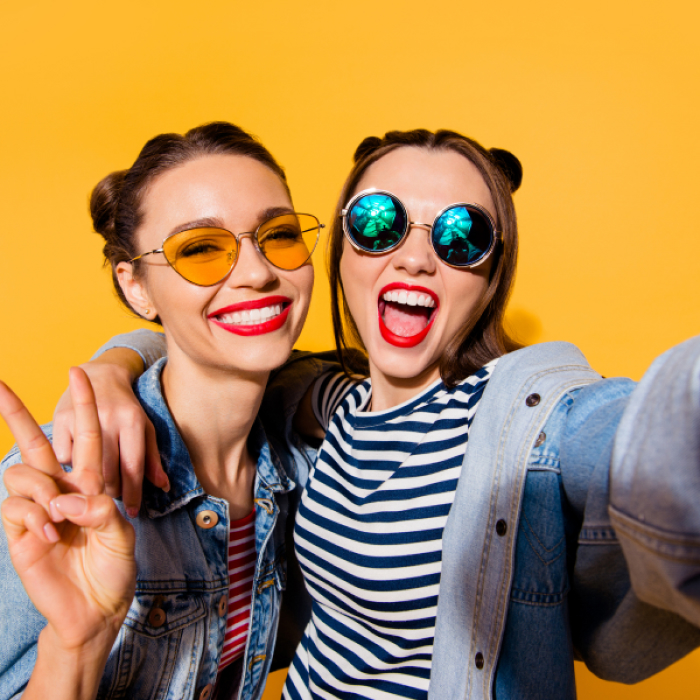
[[466, 530], [202, 237]]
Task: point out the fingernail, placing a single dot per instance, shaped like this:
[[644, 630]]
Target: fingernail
[[132, 512], [50, 532], [55, 513], [71, 505], [166, 485]]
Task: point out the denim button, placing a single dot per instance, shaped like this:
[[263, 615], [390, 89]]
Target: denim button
[[223, 605], [501, 528], [206, 692], [206, 519], [532, 400], [156, 618], [540, 439], [479, 660]]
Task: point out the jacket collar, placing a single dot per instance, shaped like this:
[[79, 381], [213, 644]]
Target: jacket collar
[[184, 485]]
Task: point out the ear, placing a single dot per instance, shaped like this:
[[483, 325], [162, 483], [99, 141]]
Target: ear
[[135, 291]]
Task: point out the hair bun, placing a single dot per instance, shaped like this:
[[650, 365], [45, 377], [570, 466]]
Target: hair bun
[[371, 143], [104, 201], [510, 165]]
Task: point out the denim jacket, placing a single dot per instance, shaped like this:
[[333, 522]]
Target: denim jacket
[[574, 534], [170, 643], [537, 568]]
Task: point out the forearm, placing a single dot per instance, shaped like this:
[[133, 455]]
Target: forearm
[[148, 345], [125, 358], [655, 483], [62, 674]]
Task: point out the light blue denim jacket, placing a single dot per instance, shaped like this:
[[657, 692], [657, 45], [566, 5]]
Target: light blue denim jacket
[[537, 556], [170, 644], [541, 564]]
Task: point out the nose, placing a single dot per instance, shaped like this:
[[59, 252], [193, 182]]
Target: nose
[[251, 268], [415, 255]]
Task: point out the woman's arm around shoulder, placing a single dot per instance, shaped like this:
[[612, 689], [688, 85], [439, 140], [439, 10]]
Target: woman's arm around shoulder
[[130, 451]]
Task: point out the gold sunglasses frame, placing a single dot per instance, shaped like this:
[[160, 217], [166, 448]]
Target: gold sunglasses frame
[[237, 236]]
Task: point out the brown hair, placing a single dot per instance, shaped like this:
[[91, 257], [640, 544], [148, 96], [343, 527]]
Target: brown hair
[[116, 202], [482, 337]]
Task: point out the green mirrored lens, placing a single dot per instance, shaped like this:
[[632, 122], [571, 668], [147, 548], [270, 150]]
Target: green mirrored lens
[[462, 236], [377, 222]]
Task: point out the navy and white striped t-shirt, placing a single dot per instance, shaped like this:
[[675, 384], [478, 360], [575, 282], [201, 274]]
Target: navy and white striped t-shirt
[[368, 535]]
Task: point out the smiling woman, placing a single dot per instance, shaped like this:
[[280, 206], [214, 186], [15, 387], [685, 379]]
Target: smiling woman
[[201, 236]]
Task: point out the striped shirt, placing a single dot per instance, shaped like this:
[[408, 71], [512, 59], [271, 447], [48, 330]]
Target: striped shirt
[[368, 535], [241, 571]]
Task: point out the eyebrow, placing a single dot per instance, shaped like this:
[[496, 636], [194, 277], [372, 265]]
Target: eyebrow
[[215, 222]]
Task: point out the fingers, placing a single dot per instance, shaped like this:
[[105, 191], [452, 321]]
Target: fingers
[[27, 482], [87, 441], [20, 515], [138, 457], [35, 448], [154, 469], [98, 513], [63, 429], [110, 463]]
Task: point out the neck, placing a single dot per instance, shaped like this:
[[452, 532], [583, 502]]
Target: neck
[[214, 410], [389, 391]]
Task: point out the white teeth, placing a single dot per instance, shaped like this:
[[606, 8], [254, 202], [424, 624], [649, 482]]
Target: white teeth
[[409, 298], [252, 316]]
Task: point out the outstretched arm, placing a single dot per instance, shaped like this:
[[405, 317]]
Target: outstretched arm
[[655, 483], [69, 545]]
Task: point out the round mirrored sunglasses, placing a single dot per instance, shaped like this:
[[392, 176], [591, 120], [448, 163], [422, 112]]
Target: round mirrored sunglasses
[[462, 235]]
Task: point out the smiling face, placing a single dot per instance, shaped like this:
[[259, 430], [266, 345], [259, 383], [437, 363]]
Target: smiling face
[[407, 304], [249, 321]]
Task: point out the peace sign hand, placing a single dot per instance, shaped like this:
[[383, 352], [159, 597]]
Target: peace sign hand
[[70, 546]]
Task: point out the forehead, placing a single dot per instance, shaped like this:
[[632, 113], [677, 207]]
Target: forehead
[[229, 187], [428, 180]]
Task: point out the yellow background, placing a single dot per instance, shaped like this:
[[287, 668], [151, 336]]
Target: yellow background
[[598, 99]]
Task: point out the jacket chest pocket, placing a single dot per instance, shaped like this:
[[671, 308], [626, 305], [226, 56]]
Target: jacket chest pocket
[[159, 648], [540, 576]]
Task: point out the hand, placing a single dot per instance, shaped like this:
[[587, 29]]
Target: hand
[[130, 450], [69, 544]]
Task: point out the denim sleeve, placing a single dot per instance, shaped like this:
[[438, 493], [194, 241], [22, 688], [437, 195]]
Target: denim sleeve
[[148, 344], [20, 621], [615, 630], [655, 492]]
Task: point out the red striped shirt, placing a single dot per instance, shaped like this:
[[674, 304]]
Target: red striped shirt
[[241, 571]]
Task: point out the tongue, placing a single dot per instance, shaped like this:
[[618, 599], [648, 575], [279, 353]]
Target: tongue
[[403, 320]]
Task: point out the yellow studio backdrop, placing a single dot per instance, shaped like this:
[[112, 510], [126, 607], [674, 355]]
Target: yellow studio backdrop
[[599, 100]]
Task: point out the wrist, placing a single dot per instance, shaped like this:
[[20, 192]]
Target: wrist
[[65, 671], [123, 362]]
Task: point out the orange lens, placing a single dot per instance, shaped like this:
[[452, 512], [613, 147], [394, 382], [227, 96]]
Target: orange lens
[[203, 256], [287, 241]]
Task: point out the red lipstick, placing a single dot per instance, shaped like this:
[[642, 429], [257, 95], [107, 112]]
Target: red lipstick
[[258, 328], [400, 341]]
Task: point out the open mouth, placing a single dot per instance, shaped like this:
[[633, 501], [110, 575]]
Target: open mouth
[[253, 317], [406, 314]]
